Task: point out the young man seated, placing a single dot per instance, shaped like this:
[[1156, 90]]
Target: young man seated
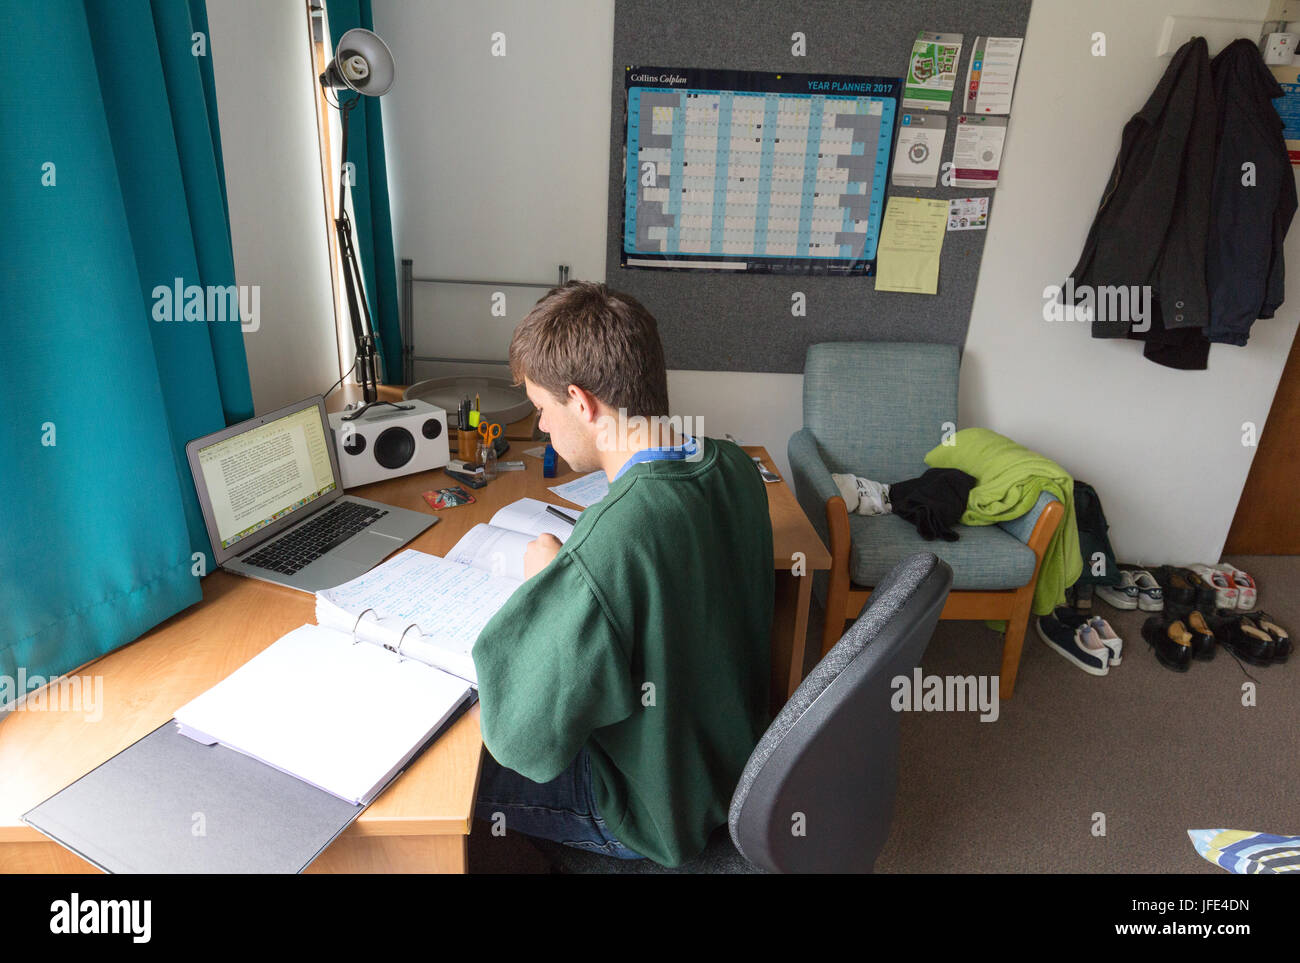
[[624, 686]]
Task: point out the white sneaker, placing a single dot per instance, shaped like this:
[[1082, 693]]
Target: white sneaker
[[1225, 592], [1108, 638], [1247, 590], [1122, 596], [1151, 597]]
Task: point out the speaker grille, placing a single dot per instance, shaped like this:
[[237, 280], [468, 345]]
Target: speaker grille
[[394, 447]]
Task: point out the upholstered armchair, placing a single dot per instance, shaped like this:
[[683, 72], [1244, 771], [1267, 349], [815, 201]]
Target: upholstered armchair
[[875, 410]]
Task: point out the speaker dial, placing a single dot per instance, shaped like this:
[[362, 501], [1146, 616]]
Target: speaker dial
[[432, 428], [356, 444]]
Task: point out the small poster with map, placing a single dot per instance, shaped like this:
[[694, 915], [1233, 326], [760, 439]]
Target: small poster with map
[[932, 71]]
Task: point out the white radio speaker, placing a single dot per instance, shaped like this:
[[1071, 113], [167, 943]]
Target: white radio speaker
[[387, 442]]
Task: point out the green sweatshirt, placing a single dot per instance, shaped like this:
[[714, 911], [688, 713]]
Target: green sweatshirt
[[647, 640]]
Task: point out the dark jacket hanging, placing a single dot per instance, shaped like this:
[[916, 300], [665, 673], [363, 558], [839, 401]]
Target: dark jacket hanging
[[1244, 259], [1150, 227]]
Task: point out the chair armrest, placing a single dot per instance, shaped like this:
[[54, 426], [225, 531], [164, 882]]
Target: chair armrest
[[1023, 527], [813, 486]]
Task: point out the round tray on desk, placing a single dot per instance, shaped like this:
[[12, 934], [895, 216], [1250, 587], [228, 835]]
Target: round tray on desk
[[501, 401]]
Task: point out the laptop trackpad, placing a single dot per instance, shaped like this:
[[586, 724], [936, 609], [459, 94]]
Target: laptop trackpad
[[366, 547]]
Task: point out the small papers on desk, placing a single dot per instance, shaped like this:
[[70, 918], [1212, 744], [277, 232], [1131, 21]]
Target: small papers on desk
[[920, 143], [584, 491], [932, 71], [911, 239], [968, 213], [991, 75], [977, 150]]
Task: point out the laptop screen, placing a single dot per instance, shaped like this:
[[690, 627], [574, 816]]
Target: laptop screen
[[263, 474]]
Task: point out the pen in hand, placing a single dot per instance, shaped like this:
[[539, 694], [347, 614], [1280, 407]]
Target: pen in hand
[[555, 511]]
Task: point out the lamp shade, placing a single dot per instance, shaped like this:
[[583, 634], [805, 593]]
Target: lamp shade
[[363, 63]]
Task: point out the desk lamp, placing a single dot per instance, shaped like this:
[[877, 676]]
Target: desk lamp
[[364, 65]]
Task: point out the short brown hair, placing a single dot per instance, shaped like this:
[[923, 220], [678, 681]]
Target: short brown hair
[[603, 341]]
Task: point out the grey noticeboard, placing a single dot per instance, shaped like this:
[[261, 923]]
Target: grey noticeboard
[[719, 321]]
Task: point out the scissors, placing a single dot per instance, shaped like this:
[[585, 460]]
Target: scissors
[[490, 433]]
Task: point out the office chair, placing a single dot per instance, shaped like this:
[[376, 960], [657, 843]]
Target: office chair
[[817, 795]]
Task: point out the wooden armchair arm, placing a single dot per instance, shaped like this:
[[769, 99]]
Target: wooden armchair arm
[[837, 591]]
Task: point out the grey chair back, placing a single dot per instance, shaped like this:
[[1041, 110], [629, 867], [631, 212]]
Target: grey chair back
[[876, 408], [817, 794]]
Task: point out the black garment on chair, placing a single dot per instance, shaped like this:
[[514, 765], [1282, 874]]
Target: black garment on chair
[[934, 503]]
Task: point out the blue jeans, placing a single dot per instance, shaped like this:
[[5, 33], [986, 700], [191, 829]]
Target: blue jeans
[[563, 810]]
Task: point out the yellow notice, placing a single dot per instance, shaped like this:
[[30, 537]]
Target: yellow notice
[[908, 256]]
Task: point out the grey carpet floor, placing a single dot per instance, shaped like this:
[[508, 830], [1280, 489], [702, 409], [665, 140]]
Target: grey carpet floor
[[1156, 752], [1153, 751]]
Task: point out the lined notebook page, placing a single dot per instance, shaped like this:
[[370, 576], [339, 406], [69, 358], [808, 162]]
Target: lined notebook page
[[450, 604], [344, 717]]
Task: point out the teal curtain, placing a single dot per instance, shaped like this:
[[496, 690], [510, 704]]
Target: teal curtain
[[113, 190], [373, 221]]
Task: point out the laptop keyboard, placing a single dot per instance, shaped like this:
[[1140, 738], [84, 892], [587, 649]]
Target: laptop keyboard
[[310, 541]]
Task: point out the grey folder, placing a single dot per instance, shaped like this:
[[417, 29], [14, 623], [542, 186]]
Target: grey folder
[[168, 804]]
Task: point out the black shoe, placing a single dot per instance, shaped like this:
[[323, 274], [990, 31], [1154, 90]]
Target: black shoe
[[1246, 641], [1281, 638], [1202, 635], [1170, 641], [1177, 590], [1206, 594]]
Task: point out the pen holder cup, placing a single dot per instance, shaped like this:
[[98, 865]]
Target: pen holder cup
[[468, 440]]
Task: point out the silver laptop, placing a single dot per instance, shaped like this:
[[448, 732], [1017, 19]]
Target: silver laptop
[[273, 501]]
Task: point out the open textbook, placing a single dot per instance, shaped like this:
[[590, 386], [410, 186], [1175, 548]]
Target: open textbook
[[346, 703]]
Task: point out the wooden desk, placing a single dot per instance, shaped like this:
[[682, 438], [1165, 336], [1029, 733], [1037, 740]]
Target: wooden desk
[[421, 823]]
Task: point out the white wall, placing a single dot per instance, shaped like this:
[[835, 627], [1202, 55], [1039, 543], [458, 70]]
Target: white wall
[[1162, 447], [497, 169], [497, 165], [262, 65]]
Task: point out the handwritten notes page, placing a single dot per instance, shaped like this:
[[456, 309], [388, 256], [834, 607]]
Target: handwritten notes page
[[449, 603]]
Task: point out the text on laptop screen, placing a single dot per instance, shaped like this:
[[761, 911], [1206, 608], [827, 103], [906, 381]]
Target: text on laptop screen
[[265, 473]]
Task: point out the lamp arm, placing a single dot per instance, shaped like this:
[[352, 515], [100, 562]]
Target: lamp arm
[[363, 334]]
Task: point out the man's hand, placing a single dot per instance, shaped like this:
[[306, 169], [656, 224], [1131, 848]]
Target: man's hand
[[539, 553]]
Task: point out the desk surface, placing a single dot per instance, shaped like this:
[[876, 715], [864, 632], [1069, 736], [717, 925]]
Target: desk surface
[[146, 681]]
